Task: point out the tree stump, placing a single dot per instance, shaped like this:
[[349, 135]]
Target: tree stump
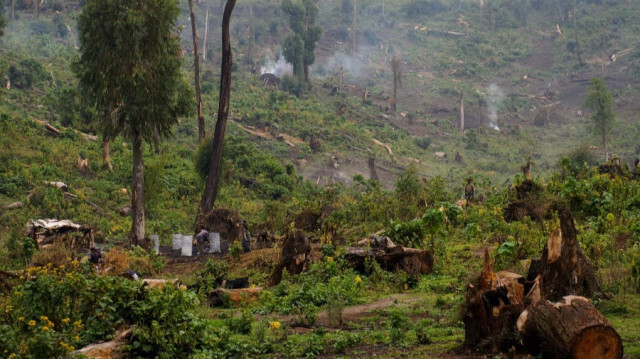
[[295, 256], [571, 328], [563, 268], [492, 309]]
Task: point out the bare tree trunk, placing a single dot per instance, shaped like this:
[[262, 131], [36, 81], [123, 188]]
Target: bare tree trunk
[[13, 10], [251, 35], [206, 32], [305, 67], [481, 4], [606, 149], [211, 191], [355, 12], [106, 153], [36, 3], [137, 194], [462, 113], [196, 67]]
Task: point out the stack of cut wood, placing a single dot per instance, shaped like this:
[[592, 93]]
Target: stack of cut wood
[[45, 232], [390, 256], [546, 314]]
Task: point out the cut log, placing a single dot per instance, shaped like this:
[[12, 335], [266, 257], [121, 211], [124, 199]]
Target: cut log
[[295, 256], [238, 297], [11, 206], [571, 328], [492, 309], [390, 256], [563, 268]]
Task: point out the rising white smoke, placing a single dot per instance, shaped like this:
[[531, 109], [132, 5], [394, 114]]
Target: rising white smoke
[[278, 68], [495, 96]]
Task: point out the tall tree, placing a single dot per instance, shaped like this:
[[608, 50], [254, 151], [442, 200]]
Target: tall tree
[[302, 21], [196, 71], [396, 68], [211, 190], [130, 62], [600, 102]]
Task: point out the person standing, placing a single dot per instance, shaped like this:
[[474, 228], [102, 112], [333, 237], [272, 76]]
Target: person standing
[[469, 192]]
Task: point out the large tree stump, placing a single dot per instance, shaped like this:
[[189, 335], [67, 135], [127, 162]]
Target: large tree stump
[[563, 268], [390, 257], [492, 309], [295, 256], [571, 328]]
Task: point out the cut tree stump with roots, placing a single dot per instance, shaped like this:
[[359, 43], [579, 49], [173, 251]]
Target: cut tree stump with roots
[[295, 256], [492, 309], [570, 328], [564, 269]]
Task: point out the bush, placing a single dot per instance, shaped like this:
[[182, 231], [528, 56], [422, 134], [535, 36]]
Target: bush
[[423, 142], [26, 73], [293, 85]]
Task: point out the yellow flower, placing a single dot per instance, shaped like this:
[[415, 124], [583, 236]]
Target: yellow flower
[[78, 324], [13, 355], [182, 287], [274, 325], [329, 259], [32, 323], [21, 319], [50, 324], [45, 328], [44, 318], [77, 338], [66, 320], [406, 286], [358, 279]]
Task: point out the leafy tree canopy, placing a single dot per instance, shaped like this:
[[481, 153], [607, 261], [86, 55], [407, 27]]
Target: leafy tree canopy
[[130, 65]]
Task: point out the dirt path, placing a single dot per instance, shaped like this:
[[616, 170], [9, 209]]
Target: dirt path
[[358, 312]]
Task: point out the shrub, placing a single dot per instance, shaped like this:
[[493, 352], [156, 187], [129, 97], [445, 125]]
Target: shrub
[[235, 250], [26, 73], [293, 85]]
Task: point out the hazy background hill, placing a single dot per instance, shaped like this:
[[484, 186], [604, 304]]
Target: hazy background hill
[[521, 66]]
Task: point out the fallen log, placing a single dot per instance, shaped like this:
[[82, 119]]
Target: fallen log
[[492, 309], [107, 350], [571, 328], [390, 257], [563, 268]]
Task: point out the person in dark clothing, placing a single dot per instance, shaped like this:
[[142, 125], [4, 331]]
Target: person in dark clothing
[[469, 192], [246, 238], [96, 255], [202, 239]]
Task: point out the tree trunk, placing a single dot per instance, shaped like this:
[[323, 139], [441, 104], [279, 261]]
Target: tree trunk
[[206, 32], [462, 113], [211, 190], [137, 194], [196, 70], [13, 10], [564, 269], [373, 173], [305, 68], [354, 33], [36, 3], [606, 148], [106, 153], [571, 328], [481, 4]]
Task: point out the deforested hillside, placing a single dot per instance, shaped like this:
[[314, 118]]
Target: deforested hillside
[[411, 178]]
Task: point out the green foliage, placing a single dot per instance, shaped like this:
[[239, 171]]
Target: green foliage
[[130, 61], [235, 250], [298, 48], [293, 85]]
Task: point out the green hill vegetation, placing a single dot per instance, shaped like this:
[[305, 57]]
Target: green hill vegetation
[[308, 158]]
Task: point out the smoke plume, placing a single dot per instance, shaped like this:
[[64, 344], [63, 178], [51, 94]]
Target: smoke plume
[[495, 96]]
